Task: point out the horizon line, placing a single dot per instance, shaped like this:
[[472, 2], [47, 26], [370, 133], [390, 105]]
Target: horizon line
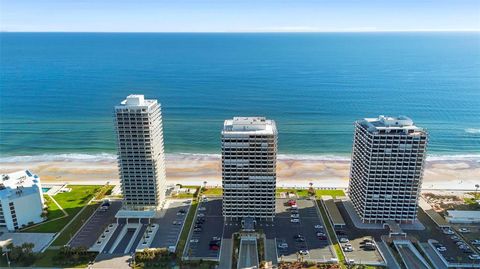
[[260, 32]]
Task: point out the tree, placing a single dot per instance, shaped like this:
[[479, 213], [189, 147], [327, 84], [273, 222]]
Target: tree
[[476, 190]]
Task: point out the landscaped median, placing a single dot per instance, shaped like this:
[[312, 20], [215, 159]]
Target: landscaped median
[[332, 235]]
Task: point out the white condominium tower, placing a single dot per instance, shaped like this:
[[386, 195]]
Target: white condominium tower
[[387, 169], [249, 160], [141, 159]]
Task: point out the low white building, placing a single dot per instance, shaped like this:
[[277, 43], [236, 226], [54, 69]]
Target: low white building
[[21, 200], [463, 216]]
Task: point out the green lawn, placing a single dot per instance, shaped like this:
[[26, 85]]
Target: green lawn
[[212, 192], [318, 193], [53, 210], [186, 228], [334, 193], [72, 202]]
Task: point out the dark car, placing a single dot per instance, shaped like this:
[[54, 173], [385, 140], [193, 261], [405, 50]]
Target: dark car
[[340, 232]]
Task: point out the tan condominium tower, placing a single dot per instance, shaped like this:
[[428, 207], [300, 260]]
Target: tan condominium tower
[[249, 156], [387, 169], [141, 158]]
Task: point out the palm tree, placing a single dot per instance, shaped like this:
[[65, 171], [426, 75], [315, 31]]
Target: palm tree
[[476, 190]]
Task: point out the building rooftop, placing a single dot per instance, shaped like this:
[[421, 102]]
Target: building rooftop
[[470, 214], [18, 184], [387, 124], [253, 125], [136, 100]]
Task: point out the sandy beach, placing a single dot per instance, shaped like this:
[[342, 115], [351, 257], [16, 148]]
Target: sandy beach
[[446, 174]]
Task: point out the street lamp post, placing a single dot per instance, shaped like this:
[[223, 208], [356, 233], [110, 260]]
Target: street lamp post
[[6, 255]]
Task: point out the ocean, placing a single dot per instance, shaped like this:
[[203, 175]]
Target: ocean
[[58, 90]]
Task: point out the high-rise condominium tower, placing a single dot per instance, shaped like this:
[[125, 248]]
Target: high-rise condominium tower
[[387, 169], [249, 157], [141, 159]]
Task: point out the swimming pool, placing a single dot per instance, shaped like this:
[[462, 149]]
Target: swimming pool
[[44, 190]]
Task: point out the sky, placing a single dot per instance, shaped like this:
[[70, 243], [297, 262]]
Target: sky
[[238, 15]]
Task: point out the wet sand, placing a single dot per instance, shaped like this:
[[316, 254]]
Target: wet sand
[[193, 169]]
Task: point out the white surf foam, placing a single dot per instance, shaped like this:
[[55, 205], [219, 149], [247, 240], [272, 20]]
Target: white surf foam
[[473, 130], [109, 157]]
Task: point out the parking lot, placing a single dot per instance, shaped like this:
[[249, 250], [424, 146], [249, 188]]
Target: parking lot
[[90, 232], [356, 238], [168, 233], [285, 232], [472, 234], [198, 242], [432, 231]]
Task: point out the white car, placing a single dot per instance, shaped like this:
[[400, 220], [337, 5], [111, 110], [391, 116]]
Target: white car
[[474, 257], [344, 240], [441, 249], [348, 249], [303, 252], [464, 230], [283, 245], [318, 226], [177, 222], [201, 215], [295, 216], [202, 209], [475, 242], [294, 220], [193, 240], [448, 231]]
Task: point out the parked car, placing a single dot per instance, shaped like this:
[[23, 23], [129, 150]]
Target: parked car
[[455, 238], [291, 202], [193, 240], [303, 252], [448, 231], [201, 215], [475, 242], [348, 248], [369, 246], [197, 229], [344, 240], [177, 222], [299, 238], [216, 238], [295, 216], [283, 245], [441, 249], [202, 208], [322, 237], [340, 232], [294, 206], [318, 226], [464, 230], [294, 220], [321, 234], [474, 257], [214, 247]]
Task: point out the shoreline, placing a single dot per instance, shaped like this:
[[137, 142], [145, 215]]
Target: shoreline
[[327, 171]]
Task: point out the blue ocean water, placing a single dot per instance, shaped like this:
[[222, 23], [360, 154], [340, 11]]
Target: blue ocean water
[[57, 90]]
